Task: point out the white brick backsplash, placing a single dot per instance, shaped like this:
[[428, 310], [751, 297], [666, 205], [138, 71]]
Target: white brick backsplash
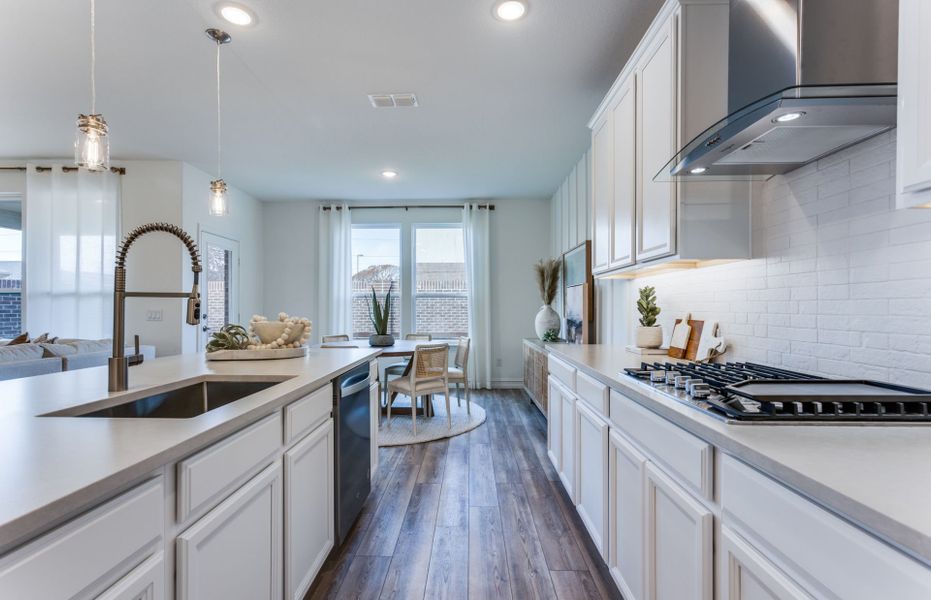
[[841, 281]]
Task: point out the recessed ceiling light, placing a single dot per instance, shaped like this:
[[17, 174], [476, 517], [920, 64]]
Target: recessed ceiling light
[[698, 170], [389, 173], [511, 10], [236, 14], [788, 117]]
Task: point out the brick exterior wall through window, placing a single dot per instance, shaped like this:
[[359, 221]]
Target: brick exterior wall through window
[[11, 308]]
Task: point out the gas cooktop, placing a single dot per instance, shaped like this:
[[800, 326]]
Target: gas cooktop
[[749, 392]]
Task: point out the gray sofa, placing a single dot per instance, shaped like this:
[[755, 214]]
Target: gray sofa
[[27, 360]]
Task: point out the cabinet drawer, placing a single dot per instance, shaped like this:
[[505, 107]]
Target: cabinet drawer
[[145, 582], [205, 478], [593, 392], [687, 457], [92, 551], [562, 371], [301, 416], [835, 558]]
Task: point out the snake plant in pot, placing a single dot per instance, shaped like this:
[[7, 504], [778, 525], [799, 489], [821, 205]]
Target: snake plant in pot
[[381, 317], [649, 334]]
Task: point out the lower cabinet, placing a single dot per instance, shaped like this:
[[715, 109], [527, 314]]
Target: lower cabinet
[[567, 442], [748, 575], [591, 461], [234, 551], [626, 481], [145, 582], [308, 507], [554, 424], [678, 541]]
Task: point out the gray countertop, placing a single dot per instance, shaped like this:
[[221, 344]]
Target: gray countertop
[[878, 477], [54, 467]]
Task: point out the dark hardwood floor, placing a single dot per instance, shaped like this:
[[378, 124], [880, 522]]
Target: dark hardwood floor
[[480, 515]]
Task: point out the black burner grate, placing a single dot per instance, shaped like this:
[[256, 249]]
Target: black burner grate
[[749, 391]]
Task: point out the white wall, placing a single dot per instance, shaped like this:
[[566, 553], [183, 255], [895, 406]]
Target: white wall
[[290, 258], [175, 192], [570, 216], [519, 237], [151, 191], [840, 283]]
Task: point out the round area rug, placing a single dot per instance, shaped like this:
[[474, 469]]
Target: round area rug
[[400, 432]]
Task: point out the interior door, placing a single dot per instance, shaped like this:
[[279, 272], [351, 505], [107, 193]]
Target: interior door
[[219, 284]]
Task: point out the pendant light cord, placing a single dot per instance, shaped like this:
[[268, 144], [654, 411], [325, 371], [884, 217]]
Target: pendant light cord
[[93, 60], [219, 162]]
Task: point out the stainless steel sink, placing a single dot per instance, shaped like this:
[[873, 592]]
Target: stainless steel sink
[[181, 403]]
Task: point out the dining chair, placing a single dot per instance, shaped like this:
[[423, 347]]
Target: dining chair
[[429, 375], [397, 369], [335, 338], [459, 372]]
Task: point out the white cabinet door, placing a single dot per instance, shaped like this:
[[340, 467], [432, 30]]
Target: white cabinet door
[[748, 575], [375, 408], [625, 516], [234, 551], [913, 139], [567, 443], [308, 509], [145, 582], [554, 423], [678, 541], [624, 117], [602, 192], [656, 143], [591, 461]]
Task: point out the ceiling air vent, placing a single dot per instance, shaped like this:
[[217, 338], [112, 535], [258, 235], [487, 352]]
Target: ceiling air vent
[[393, 100]]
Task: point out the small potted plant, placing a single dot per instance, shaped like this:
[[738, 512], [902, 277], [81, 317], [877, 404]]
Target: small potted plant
[[547, 273], [380, 317], [649, 334]]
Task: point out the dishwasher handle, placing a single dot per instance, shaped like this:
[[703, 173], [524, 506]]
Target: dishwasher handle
[[354, 387]]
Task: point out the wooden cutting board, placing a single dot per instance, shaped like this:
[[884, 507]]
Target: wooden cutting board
[[690, 351]]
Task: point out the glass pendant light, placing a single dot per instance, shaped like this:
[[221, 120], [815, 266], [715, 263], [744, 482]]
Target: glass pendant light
[[218, 203], [91, 143]]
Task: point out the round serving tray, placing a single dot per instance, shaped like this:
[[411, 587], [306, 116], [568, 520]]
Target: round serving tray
[[265, 354]]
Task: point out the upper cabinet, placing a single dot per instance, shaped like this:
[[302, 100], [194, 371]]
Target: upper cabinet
[[913, 160], [672, 88], [656, 143]]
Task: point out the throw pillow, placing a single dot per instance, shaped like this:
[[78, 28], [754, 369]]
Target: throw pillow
[[40, 339]]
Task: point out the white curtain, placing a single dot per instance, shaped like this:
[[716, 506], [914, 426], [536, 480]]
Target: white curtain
[[475, 237], [71, 226], [335, 271]]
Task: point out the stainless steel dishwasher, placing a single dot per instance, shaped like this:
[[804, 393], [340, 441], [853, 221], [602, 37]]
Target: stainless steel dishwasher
[[351, 415]]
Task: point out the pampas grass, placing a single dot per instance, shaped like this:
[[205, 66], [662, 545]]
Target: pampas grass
[[547, 274]]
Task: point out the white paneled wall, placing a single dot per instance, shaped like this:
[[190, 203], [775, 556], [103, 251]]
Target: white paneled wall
[[841, 285], [571, 209]]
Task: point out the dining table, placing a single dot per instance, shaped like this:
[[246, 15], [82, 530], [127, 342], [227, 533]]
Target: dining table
[[400, 349]]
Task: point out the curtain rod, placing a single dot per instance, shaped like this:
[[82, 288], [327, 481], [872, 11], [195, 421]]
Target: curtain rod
[[117, 170], [409, 206]]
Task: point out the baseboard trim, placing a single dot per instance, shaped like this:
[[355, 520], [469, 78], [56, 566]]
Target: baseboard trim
[[507, 384]]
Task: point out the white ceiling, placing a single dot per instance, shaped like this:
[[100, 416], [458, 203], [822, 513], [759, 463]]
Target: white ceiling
[[503, 105]]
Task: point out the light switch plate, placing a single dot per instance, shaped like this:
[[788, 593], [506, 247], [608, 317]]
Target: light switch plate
[[153, 315]]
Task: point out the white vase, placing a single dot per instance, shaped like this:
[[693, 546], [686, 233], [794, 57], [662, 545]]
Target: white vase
[[546, 319], [649, 337]]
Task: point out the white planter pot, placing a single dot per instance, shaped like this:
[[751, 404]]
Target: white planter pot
[[649, 337], [547, 319]]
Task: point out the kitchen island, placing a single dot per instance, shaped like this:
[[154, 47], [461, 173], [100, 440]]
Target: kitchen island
[[58, 472], [825, 510]]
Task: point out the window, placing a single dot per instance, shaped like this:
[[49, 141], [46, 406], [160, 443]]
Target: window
[[11, 268], [440, 299], [376, 263]]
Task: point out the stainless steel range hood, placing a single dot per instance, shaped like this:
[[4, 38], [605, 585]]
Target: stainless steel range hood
[[806, 78]]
